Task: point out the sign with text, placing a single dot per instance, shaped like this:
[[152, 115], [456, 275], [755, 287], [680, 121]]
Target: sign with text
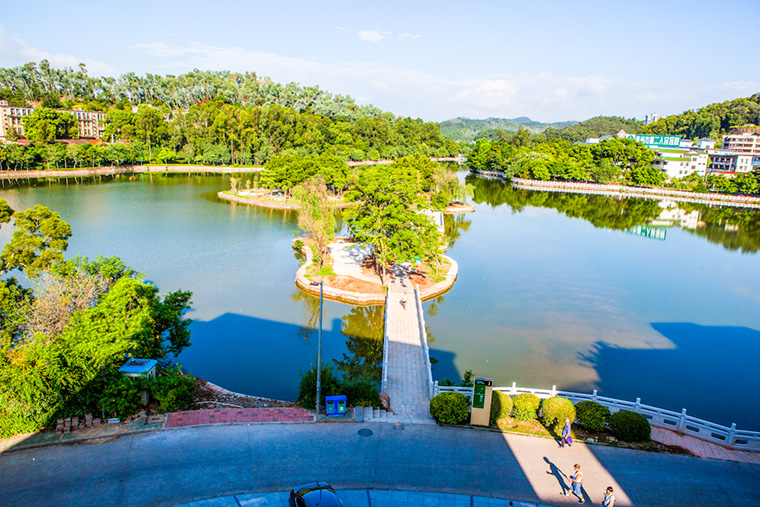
[[660, 141]]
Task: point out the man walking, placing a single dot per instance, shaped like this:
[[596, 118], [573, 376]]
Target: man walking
[[576, 480], [609, 498]]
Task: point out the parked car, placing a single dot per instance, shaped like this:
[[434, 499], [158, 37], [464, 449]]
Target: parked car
[[314, 494]]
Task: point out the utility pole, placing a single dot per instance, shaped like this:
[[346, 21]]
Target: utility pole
[[319, 346]]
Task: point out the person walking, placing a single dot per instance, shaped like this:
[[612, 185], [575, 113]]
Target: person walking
[[403, 301], [576, 481], [609, 498], [566, 438]]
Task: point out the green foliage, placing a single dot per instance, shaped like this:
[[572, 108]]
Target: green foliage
[[630, 426], [172, 390], [307, 389], [122, 396], [362, 393], [594, 128], [592, 416], [298, 244], [316, 215], [501, 406], [467, 130], [45, 125], [449, 408], [38, 242], [389, 218], [525, 406], [555, 410]]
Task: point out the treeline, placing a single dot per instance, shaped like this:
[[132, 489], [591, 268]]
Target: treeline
[[710, 121], [30, 82], [617, 160], [594, 128], [221, 130]]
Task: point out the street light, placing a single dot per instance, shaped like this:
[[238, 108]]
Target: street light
[[319, 346]]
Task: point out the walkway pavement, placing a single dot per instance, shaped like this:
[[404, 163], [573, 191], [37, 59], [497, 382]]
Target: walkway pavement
[[406, 379]]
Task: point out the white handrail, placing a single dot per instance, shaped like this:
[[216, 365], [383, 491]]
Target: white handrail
[[677, 421], [423, 335]]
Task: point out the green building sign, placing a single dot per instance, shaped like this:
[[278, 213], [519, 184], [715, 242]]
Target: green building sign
[[659, 141]]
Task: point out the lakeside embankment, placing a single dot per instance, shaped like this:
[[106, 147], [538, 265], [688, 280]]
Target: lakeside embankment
[[742, 201], [126, 169]]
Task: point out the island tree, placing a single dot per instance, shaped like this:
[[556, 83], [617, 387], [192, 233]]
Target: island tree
[[316, 215], [390, 216]]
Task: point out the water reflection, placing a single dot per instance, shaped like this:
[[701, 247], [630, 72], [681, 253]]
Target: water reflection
[[733, 228], [363, 329]]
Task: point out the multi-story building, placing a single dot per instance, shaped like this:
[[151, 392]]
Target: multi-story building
[[678, 163], [746, 144], [90, 124], [729, 161]]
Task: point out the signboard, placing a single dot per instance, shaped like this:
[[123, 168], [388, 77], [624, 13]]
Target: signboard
[[659, 141], [648, 232], [479, 394]]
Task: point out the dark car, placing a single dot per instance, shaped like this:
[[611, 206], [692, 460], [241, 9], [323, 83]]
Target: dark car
[[314, 494]]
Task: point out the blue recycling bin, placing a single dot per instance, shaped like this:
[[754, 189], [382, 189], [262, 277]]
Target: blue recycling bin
[[335, 406]]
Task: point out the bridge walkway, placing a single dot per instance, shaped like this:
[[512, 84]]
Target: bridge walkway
[[406, 366]]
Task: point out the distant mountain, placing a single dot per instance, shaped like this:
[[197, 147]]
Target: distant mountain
[[465, 129], [595, 127]]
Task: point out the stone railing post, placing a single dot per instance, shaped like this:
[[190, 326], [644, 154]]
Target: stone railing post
[[514, 388], [731, 437], [554, 391], [637, 405], [593, 395], [682, 421]]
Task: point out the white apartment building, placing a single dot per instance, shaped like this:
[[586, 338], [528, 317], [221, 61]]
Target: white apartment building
[[90, 124], [729, 161], [745, 144], [678, 163]]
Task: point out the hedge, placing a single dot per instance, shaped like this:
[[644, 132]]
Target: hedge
[[525, 406], [592, 416], [450, 408], [501, 406], [555, 410], [630, 426]]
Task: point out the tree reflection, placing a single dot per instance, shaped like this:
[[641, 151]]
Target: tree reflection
[[363, 328], [311, 312], [454, 225]]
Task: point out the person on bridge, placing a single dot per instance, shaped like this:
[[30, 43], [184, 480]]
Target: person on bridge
[[609, 498], [566, 438], [403, 301]]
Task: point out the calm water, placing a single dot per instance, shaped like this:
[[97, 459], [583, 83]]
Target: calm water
[[543, 296]]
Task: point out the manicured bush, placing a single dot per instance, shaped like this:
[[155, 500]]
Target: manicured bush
[[172, 390], [450, 408], [501, 406], [592, 416], [362, 393], [525, 406], [555, 410], [630, 426]]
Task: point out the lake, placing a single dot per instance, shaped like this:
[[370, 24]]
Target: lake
[[553, 289]]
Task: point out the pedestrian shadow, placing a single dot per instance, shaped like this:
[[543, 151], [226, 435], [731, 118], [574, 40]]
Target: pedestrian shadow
[[559, 475]]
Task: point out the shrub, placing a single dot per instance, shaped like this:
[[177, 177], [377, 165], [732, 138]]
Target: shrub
[[525, 406], [307, 390], [298, 244], [592, 416], [122, 397], [630, 426], [172, 390], [555, 410], [362, 393], [501, 406], [449, 408]]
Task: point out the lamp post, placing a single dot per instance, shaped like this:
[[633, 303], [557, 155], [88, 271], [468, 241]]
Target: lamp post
[[319, 345]]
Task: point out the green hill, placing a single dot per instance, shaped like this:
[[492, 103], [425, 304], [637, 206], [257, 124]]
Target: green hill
[[595, 127], [465, 129]]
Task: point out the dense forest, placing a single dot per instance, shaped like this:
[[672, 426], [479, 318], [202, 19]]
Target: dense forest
[[216, 118], [594, 127]]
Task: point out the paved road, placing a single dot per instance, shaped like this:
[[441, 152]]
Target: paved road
[[177, 466]]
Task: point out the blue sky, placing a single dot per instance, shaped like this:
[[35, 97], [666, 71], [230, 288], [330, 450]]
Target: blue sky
[[548, 60]]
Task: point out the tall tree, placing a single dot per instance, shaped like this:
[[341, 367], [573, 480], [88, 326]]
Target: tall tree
[[316, 215]]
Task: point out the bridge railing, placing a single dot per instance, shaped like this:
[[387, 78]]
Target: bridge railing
[[423, 335], [676, 421]]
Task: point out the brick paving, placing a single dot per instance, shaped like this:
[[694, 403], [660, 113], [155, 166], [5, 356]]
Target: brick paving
[[407, 375], [704, 449], [235, 415]]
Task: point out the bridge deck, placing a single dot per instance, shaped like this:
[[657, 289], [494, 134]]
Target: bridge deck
[[406, 375]]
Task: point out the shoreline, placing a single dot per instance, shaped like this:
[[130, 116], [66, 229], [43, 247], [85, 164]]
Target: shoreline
[[126, 169], [268, 204], [363, 299], [657, 193]]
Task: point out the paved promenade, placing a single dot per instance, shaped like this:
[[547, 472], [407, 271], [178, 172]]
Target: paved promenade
[[243, 415], [407, 375]]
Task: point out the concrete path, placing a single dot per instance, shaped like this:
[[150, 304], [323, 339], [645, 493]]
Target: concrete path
[[406, 379], [171, 467]]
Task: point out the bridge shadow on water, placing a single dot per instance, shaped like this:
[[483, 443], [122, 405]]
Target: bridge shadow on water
[[711, 371]]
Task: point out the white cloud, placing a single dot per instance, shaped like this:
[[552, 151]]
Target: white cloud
[[410, 92], [373, 35], [19, 52], [408, 36]]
